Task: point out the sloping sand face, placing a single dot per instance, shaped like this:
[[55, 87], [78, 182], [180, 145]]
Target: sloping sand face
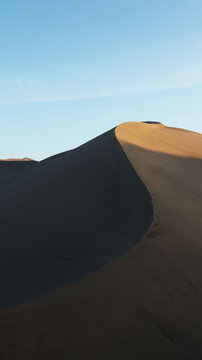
[[147, 304], [169, 162], [68, 216], [10, 169]]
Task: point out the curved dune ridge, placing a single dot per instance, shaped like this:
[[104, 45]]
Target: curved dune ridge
[[145, 304], [67, 216]]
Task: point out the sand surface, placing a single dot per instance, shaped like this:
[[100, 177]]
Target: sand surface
[[63, 218], [10, 169], [147, 303]]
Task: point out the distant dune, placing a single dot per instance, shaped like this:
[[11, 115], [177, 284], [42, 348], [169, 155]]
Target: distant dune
[[23, 159], [101, 250]]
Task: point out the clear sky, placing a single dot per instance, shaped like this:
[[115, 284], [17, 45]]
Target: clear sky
[[72, 69]]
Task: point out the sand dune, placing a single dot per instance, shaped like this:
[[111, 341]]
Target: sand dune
[[91, 204], [68, 216], [11, 168], [19, 160]]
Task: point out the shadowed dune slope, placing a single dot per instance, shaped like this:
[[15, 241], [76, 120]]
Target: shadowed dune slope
[[12, 168], [146, 304], [67, 216]]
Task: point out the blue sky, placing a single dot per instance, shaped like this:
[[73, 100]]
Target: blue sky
[[72, 69]]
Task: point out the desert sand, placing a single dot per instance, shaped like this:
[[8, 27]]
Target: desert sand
[[115, 227], [11, 168]]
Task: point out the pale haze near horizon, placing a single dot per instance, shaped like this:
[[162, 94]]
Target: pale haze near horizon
[[70, 70]]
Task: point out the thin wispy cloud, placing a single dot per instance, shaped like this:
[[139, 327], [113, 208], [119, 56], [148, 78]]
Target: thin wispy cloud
[[19, 91]]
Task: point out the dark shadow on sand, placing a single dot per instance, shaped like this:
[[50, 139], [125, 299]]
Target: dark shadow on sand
[[68, 216]]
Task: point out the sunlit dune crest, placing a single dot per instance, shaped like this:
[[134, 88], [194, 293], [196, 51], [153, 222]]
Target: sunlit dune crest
[[160, 138]]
